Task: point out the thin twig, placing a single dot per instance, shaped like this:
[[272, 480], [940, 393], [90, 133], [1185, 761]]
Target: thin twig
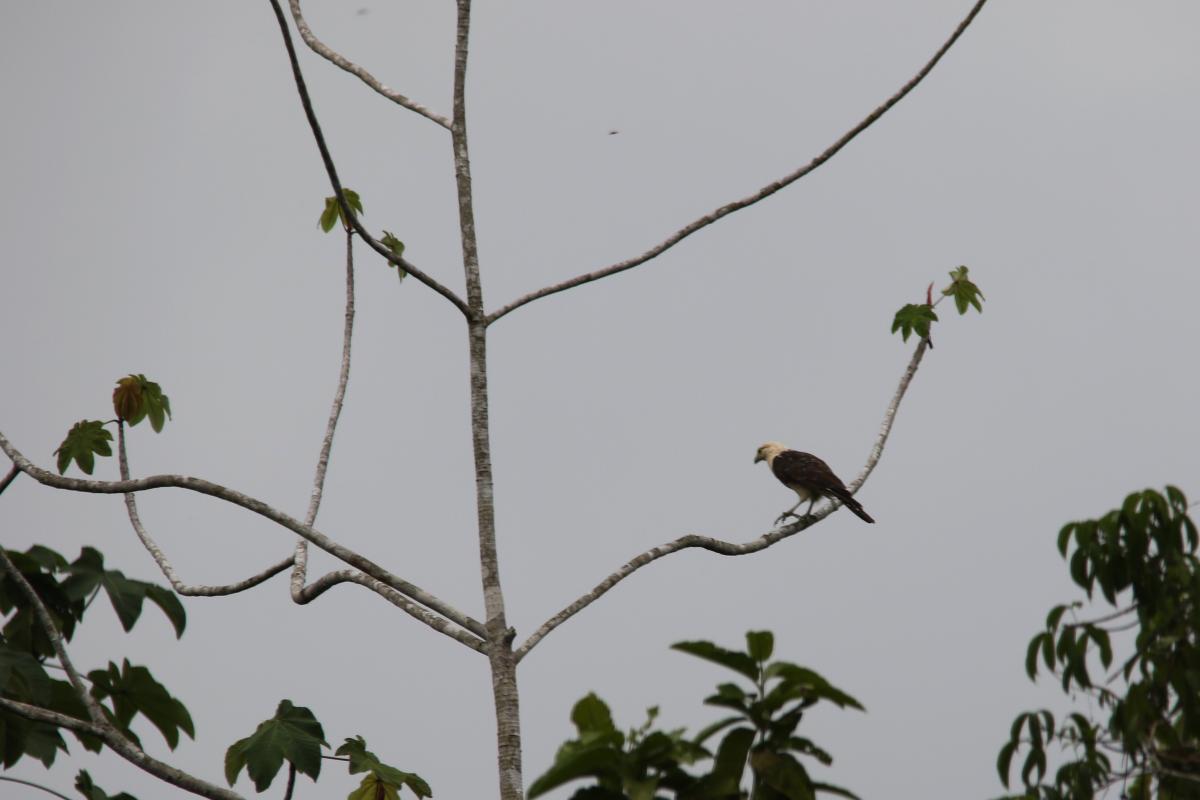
[[722, 547], [326, 52], [750, 200], [1105, 618], [300, 556], [100, 725], [326, 582], [201, 486], [9, 478], [45, 789], [327, 159], [160, 558], [291, 784]]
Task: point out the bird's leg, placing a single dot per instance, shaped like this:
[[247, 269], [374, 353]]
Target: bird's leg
[[791, 512], [811, 503]]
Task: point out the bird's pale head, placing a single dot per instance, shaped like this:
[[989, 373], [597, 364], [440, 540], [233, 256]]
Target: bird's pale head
[[768, 451]]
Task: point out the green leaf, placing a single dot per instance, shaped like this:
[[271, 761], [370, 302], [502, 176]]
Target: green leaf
[[741, 663], [136, 398], [591, 716], [760, 645], [1031, 654], [829, 788], [84, 785], [1004, 761], [795, 677], [964, 292], [293, 734], [914, 318], [784, 774], [390, 241], [730, 760], [86, 439], [574, 763], [330, 215], [135, 691], [381, 777], [373, 787], [352, 200], [168, 601], [716, 727]]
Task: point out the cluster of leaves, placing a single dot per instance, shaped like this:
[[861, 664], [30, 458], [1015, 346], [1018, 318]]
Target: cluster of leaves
[[760, 735], [136, 398], [918, 317], [332, 215], [1141, 559], [294, 735], [26, 655]]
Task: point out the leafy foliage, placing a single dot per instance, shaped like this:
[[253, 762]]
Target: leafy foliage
[[133, 690], [87, 439], [84, 785], [964, 292], [382, 782], [1141, 560], [914, 318], [66, 590], [918, 318], [333, 210], [761, 735], [390, 241], [293, 734], [137, 398]]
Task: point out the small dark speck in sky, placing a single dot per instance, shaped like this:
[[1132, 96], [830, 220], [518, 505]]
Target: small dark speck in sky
[[362, 12]]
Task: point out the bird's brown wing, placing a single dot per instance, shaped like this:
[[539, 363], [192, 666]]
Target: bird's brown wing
[[805, 470]]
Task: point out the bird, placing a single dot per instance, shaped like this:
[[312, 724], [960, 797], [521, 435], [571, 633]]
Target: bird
[[809, 477]]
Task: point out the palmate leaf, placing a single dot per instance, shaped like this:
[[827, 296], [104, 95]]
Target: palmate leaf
[[333, 210], [382, 780], [965, 293], [125, 594], [134, 691], [914, 318], [293, 734], [136, 398], [87, 439], [592, 716]]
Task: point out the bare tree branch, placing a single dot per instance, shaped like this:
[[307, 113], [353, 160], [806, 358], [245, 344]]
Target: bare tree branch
[[331, 170], [300, 557], [319, 587], [49, 717], [722, 547], [45, 789], [750, 200], [100, 725], [318, 47], [9, 478], [201, 486], [160, 558]]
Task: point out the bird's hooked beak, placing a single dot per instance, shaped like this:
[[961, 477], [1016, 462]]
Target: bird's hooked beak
[[758, 457]]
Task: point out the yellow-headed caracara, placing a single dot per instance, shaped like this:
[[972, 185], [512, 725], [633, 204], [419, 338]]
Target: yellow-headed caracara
[[809, 477]]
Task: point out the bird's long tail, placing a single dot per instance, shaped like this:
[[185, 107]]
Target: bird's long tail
[[849, 502]]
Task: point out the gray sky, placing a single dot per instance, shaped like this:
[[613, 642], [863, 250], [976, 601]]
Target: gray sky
[[161, 195]]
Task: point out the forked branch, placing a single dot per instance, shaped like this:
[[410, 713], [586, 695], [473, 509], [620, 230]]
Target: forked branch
[[337, 59], [201, 486], [722, 547], [764, 192], [327, 159]]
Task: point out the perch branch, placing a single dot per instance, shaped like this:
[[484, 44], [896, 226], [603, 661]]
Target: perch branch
[[331, 170], [722, 547], [750, 200], [201, 486], [332, 56], [320, 586]]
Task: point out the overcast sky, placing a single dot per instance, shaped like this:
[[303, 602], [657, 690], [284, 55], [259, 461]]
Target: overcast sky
[[161, 193]]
